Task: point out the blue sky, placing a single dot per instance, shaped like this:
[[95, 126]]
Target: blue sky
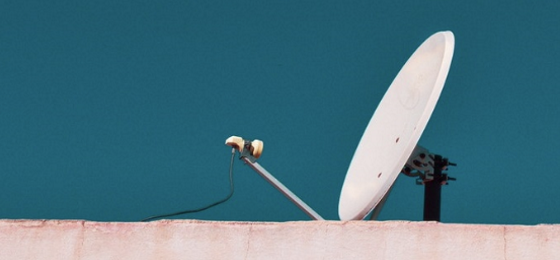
[[118, 110]]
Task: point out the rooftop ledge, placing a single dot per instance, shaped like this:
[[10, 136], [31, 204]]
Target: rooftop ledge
[[195, 239]]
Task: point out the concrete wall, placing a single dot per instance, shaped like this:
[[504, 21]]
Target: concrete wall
[[191, 239]]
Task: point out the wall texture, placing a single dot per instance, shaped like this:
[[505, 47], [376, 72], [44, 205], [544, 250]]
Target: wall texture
[[192, 239]]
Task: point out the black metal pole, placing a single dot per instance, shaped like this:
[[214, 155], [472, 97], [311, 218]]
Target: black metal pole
[[432, 192]]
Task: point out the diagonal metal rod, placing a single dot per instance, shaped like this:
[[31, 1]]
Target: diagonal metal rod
[[279, 186]]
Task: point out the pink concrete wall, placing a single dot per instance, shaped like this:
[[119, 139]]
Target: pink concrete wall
[[191, 239]]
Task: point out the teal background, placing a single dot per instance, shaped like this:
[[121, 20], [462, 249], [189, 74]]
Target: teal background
[[118, 110]]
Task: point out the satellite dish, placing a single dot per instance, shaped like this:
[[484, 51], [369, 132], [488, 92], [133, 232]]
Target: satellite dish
[[389, 139], [396, 127]]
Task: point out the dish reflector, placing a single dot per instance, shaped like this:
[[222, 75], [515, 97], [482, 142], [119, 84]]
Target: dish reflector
[[396, 126]]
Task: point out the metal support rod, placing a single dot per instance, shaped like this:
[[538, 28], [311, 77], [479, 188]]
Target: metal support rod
[[432, 192], [279, 186]]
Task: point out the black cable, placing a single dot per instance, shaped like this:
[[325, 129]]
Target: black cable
[[207, 207]]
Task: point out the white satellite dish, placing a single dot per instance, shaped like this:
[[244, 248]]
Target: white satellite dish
[[396, 127], [388, 141], [390, 137]]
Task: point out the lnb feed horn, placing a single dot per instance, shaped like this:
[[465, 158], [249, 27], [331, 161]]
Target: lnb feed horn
[[246, 147]]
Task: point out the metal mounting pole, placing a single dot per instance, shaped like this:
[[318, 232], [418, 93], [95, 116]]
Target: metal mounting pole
[[432, 193], [429, 168], [432, 187]]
